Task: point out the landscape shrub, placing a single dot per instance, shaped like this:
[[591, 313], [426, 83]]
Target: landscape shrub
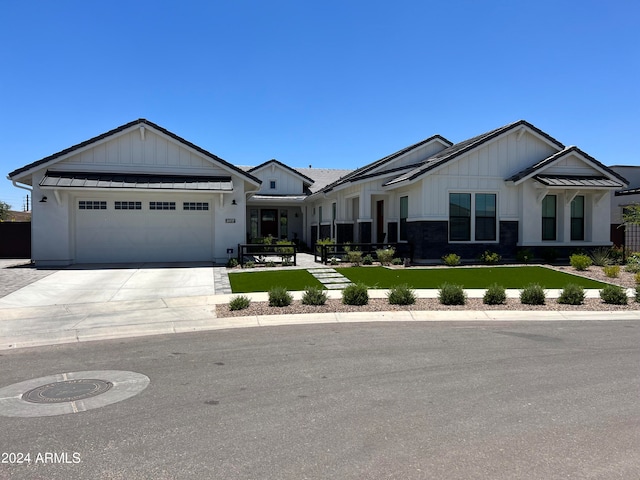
[[279, 297], [490, 258], [495, 295], [354, 257], [232, 263], [450, 294], [334, 261], [532, 294], [633, 263], [524, 255], [248, 264], [355, 294], [614, 295], [239, 303], [269, 263], [385, 255], [321, 242], [397, 261], [580, 261], [572, 295], [637, 293], [285, 249], [401, 295], [451, 260], [367, 260], [637, 278], [611, 271], [601, 257], [314, 296], [616, 254]]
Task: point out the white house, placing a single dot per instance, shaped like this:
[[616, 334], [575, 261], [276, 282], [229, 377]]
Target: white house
[[140, 193], [629, 236]]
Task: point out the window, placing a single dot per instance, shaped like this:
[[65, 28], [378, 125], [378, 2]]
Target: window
[[577, 218], [253, 224], [92, 205], [128, 205], [333, 219], [284, 223], [195, 206], [549, 217], [404, 213], [485, 217], [459, 217], [162, 205], [272, 184]]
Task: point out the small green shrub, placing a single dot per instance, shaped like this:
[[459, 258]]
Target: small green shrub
[[269, 263], [601, 257], [495, 295], [279, 297], [616, 254], [450, 294], [611, 271], [314, 296], [637, 278], [532, 294], [397, 261], [334, 261], [354, 257], [451, 260], [580, 261], [490, 258], [248, 264], [385, 255], [355, 294], [524, 256], [239, 303], [287, 263], [637, 293], [572, 295], [232, 263], [633, 263], [367, 260], [614, 295], [401, 295]]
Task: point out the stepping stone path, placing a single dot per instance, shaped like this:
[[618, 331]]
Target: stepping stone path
[[330, 278]]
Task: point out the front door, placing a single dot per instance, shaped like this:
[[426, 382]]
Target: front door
[[269, 222], [380, 221]]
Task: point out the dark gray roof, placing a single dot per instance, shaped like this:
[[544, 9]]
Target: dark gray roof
[[140, 121], [323, 176], [577, 181], [556, 156], [628, 191], [286, 167], [465, 146], [126, 180]]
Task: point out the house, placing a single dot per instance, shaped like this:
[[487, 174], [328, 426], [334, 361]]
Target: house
[[629, 236], [140, 193]]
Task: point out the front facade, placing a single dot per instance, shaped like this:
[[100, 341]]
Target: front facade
[[142, 194]]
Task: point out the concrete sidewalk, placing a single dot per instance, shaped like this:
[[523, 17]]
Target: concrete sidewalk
[[78, 322]]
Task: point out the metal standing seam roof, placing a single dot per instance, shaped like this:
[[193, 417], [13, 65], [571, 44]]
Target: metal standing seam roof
[[577, 181], [133, 181]]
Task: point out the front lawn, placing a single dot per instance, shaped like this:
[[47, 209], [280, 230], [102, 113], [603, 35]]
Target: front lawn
[[247, 282], [480, 277]]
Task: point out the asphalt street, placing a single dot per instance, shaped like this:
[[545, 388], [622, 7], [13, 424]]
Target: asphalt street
[[345, 401]]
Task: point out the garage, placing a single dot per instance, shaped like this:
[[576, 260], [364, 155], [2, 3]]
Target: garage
[[144, 228]]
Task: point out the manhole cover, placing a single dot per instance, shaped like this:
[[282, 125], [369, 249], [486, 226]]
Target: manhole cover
[[67, 391]]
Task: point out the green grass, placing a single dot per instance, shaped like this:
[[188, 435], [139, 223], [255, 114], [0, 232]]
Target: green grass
[[292, 280], [508, 277]]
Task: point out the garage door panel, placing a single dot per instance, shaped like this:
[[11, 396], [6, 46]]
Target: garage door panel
[[143, 235]]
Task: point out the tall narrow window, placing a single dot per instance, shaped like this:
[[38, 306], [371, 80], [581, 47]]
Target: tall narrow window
[[577, 218], [459, 217], [284, 224], [253, 224], [404, 213], [549, 217], [333, 219], [485, 216], [319, 215]]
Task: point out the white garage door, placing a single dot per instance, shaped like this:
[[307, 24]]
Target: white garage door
[[143, 230]]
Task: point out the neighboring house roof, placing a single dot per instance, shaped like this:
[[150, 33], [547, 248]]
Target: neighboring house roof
[[577, 181], [628, 191], [140, 121], [454, 151], [533, 169], [286, 167]]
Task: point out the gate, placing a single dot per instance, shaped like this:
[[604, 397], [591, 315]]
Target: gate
[[15, 239]]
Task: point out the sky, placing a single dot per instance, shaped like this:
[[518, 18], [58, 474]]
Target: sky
[[331, 83]]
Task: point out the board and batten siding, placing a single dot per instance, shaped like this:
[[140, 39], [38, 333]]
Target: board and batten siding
[[286, 182]]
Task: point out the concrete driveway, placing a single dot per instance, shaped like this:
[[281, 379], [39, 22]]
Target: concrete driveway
[[113, 283]]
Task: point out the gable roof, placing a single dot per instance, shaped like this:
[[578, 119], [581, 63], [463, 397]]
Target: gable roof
[[366, 171], [541, 165], [286, 167], [140, 121], [458, 149]]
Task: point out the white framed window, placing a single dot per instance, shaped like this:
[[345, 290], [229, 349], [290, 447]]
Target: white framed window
[[195, 206], [473, 217], [128, 205], [162, 205], [92, 205]]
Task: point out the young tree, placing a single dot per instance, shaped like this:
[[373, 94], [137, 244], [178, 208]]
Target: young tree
[[4, 210], [631, 214]]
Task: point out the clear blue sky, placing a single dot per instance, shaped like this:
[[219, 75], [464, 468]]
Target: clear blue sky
[[330, 83]]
